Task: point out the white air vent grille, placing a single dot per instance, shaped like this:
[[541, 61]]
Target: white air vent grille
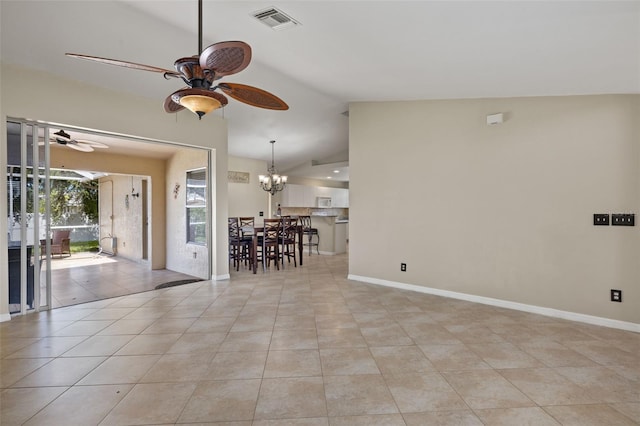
[[275, 19]]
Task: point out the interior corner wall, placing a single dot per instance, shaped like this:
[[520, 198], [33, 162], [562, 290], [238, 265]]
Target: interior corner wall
[[68, 102], [182, 256], [248, 199], [502, 211]]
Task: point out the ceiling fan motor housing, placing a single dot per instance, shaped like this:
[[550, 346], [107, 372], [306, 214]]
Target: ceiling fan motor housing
[[192, 73], [62, 137]]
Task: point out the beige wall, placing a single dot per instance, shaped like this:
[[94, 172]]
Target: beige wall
[[183, 257], [248, 199], [505, 211], [29, 94]]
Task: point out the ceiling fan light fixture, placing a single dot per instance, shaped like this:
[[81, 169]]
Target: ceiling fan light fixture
[[199, 104], [199, 101]]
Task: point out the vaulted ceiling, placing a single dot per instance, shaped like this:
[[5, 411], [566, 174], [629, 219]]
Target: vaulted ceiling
[[341, 52]]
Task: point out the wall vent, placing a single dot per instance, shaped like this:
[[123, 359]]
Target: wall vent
[[275, 19]]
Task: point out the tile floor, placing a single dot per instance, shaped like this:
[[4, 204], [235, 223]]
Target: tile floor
[[87, 277], [305, 346]]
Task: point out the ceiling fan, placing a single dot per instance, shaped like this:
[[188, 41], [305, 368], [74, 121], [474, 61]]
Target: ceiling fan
[[63, 138], [200, 72]]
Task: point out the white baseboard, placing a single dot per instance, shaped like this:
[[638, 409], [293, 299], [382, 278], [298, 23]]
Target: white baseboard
[[556, 313], [5, 317], [221, 277], [326, 253]]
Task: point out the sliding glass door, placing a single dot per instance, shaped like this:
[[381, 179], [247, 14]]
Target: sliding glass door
[[27, 217]]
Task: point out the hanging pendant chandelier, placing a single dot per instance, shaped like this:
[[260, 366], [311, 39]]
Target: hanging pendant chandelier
[[272, 182]]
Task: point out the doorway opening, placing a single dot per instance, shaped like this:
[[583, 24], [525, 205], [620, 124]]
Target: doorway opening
[[131, 247]]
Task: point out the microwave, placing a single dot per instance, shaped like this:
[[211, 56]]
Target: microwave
[[323, 201]]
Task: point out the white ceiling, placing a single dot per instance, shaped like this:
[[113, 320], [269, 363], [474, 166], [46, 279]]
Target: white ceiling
[[343, 51]]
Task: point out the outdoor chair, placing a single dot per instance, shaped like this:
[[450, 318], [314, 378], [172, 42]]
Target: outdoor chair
[[60, 243]]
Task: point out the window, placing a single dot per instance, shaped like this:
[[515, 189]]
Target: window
[[196, 205]]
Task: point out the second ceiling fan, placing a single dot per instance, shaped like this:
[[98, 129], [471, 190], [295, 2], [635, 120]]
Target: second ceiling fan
[[200, 72], [63, 138]]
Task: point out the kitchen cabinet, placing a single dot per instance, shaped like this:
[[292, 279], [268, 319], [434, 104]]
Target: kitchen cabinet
[[333, 234], [340, 197], [295, 195]]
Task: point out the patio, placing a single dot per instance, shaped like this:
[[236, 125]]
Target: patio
[[87, 277]]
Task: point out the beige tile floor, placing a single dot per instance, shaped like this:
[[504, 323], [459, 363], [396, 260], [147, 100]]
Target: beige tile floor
[[87, 277], [306, 346]]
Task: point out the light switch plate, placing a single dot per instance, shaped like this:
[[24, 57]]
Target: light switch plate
[[600, 219], [623, 219], [616, 295]]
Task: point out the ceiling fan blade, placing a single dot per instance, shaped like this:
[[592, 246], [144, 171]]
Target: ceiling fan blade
[[170, 106], [253, 96], [125, 64], [80, 147], [226, 58], [92, 144]]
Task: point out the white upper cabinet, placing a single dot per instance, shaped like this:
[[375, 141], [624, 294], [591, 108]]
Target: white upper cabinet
[[305, 196], [293, 196], [340, 197]]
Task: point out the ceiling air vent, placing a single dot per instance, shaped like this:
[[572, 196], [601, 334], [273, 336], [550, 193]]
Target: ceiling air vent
[[275, 19]]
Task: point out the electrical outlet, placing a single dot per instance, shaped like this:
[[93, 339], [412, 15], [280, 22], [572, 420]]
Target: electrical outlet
[[195, 254], [261, 214], [600, 219], [616, 295], [403, 267], [623, 219]]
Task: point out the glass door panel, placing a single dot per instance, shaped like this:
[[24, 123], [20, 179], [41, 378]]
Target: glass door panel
[[26, 195]]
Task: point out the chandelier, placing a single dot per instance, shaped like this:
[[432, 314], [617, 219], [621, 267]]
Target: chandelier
[[272, 182]]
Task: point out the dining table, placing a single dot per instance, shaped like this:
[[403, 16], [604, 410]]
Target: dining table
[[256, 231]]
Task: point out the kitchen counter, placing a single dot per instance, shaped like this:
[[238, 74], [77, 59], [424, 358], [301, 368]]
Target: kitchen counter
[[333, 233]]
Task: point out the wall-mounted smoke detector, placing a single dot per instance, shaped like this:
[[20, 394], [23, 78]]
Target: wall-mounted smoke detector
[[275, 19]]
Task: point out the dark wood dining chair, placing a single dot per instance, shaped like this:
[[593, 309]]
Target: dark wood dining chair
[[309, 232], [288, 231], [268, 243], [247, 225], [239, 248], [247, 221]]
